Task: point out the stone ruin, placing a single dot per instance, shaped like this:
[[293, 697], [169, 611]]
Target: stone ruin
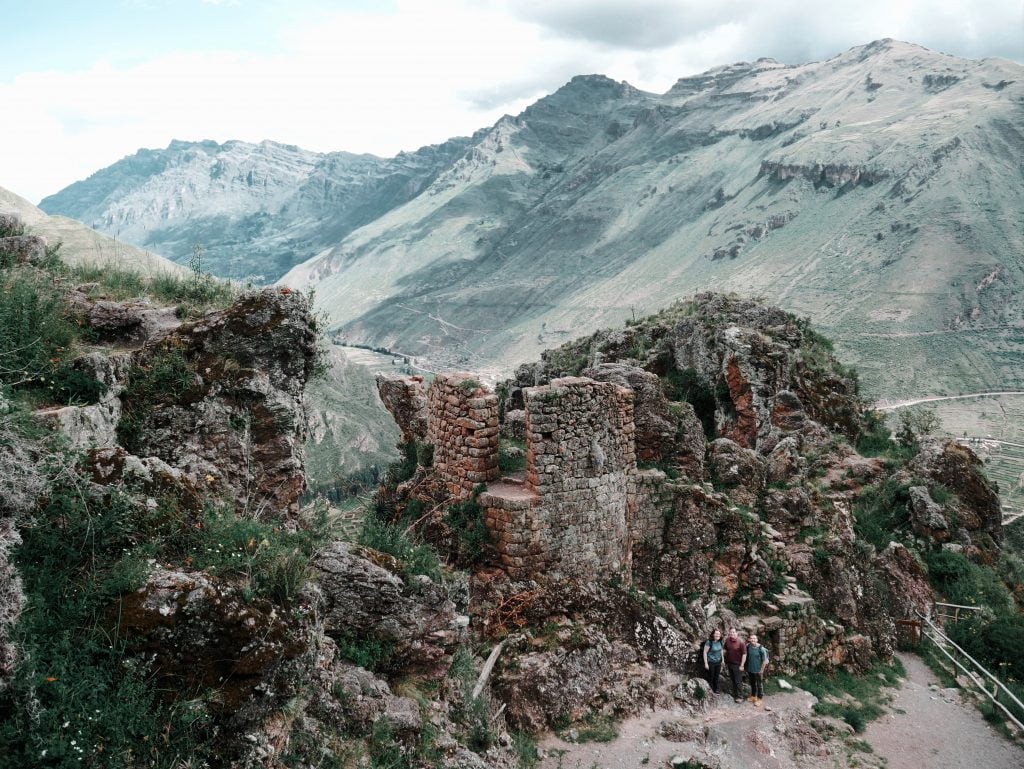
[[568, 514]]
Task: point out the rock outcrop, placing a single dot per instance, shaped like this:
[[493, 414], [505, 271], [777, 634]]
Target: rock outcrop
[[236, 425], [365, 599]]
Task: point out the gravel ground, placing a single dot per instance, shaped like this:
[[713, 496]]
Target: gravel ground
[[928, 729], [937, 730]]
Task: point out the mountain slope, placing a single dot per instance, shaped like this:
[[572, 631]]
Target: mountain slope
[[81, 245], [257, 209], [879, 192]]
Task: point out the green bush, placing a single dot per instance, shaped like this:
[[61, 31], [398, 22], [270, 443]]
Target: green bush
[[964, 582], [688, 385], [881, 513], [415, 558], [370, 653], [35, 336], [75, 699], [995, 643], [164, 376], [466, 520], [70, 385]]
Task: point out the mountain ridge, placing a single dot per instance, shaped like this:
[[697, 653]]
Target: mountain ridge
[[875, 191]]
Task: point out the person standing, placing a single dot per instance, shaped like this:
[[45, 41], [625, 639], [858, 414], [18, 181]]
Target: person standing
[[756, 665], [713, 649], [735, 656]]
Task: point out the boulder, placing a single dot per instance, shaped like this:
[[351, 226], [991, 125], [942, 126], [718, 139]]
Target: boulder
[[907, 579], [785, 463], [23, 249], [927, 517], [366, 599], [959, 470], [200, 633], [11, 225], [741, 469], [239, 429]]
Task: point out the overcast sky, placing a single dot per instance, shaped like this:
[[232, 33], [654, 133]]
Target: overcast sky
[[83, 84]]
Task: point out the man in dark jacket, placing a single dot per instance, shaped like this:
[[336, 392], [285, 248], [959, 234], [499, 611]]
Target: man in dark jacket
[[735, 656]]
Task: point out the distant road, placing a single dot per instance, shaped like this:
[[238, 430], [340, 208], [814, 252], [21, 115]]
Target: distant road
[[886, 405]]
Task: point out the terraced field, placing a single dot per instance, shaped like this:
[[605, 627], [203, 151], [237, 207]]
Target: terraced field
[[994, 427]]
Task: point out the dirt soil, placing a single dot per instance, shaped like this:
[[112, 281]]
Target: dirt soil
[[926, 728], [937, 730]]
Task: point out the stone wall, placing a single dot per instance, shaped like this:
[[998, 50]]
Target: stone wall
[[570, 516], [462, 425]]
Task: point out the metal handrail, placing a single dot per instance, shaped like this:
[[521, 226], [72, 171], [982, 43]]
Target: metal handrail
[[973, 675]]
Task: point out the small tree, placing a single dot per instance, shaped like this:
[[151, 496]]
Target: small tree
[[195, 262], [916, 424]]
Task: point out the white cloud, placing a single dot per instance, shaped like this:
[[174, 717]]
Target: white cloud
[[383, 82]]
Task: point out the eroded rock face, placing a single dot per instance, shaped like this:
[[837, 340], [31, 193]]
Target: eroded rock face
[[239, 429], [738, 467], [202, 634], [607, 652], [975, 508], [130, 323], [405, 398], [365, 598]]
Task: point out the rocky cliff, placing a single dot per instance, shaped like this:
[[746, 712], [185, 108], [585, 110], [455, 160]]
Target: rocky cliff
[[545, 556], [706, 457]]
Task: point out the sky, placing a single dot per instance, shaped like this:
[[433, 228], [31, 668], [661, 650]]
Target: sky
[[85, 82]]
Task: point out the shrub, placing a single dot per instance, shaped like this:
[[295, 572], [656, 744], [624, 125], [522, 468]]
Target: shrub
[[688, 385], [69, 385], [35, 336], [415, 558], [915, 424], [964, 582], [370, 653], [467, 522], [881, 512], [425, 454], [166, 374], [995, 643], [75, 699]]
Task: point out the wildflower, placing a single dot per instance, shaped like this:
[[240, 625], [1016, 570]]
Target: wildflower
[[50, 680]]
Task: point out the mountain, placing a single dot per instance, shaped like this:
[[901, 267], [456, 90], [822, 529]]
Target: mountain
[[257, 209], [81, 245], [879, 192]]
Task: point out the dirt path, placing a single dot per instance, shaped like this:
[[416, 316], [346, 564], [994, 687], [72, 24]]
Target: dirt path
[[937, 730], [737, 735], [885, 405], [928, 729]]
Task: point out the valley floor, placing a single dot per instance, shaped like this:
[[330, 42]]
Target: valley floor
[[925, 727]]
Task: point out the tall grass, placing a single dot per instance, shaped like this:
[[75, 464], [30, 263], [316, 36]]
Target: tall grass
[[194, 292]]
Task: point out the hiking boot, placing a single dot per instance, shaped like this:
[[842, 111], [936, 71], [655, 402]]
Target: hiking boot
[[751, 698]]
